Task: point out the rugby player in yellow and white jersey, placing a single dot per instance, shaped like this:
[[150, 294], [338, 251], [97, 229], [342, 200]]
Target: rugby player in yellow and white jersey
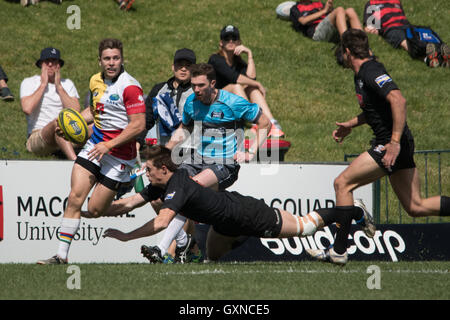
[[118, 113]]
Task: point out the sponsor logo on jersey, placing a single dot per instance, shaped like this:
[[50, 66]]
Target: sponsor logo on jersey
[[114, 97], [360, 83], [170, 196], [217, 114], [382, 80]]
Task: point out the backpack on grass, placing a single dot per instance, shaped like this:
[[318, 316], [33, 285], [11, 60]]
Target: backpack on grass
[[418, 37]]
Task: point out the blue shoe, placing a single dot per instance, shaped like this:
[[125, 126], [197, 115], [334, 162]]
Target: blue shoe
[[168, 259], [195, 258]]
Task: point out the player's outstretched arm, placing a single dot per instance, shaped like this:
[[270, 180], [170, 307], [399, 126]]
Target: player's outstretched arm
[[120, 207], [152, 227]]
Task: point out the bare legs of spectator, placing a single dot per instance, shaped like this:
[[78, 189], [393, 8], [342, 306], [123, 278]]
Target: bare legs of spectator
[[49, 135], [342, 18]]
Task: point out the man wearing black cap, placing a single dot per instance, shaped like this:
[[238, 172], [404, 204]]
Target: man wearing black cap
[[165, 101], [42, 97]]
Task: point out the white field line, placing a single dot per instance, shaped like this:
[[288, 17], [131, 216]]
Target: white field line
[[307, 271]]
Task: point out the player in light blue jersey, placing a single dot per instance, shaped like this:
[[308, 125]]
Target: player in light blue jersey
[[219, 123], [213, 119]]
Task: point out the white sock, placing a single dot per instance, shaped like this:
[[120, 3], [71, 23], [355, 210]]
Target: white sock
[[68, 229], [171, 233], [181, 238]]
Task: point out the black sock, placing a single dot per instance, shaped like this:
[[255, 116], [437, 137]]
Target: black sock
[[445, 206], [328, 215], [345, 216]]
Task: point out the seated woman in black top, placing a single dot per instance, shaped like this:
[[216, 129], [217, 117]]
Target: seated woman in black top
[[236, 76]]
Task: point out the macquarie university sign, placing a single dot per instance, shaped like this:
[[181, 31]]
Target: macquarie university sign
[[33, 196]]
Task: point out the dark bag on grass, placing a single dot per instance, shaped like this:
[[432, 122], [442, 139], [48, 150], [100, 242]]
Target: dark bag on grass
[[418, 37]]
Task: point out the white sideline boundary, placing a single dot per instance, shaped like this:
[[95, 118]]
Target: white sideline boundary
[[306, 271]]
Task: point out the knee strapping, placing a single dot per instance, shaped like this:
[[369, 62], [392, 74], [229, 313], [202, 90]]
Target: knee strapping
[[308, 224]]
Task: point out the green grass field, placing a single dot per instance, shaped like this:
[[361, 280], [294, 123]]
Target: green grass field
[[306, 91], [229, 281]]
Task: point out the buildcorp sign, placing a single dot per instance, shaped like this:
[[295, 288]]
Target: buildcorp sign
[[393, 242]]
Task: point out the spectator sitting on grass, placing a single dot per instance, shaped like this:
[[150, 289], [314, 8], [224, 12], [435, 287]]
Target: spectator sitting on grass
[[236, 76], [43, 97], [321, 22], [388, 19]]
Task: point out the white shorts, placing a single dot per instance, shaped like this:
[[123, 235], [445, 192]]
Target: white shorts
[[326, 31], [112, 167]]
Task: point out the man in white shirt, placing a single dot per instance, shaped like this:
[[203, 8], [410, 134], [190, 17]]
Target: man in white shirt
[[42, 98]]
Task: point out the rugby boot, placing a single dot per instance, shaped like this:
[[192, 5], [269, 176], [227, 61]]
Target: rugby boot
[[328, 256], [367, 222], [153, 254], [168, 259], [53, 260], [195, 258], [181, 253]]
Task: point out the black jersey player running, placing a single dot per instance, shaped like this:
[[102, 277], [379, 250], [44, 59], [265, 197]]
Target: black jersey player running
[[384, 110], [229, 213]]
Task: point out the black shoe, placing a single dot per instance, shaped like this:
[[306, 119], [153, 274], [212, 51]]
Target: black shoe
[[153, 254], [6, 95], [181, 253], [339, 55]]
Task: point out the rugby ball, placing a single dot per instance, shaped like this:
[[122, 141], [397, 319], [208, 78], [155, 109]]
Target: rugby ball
[[73, 126], [283, 9]]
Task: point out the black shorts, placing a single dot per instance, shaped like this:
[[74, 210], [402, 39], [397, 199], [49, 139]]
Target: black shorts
[[405, 159], [395, 36], [226, 174], [255, 219]]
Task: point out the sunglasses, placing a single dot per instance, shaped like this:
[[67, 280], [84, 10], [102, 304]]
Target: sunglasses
[[230, 38]]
